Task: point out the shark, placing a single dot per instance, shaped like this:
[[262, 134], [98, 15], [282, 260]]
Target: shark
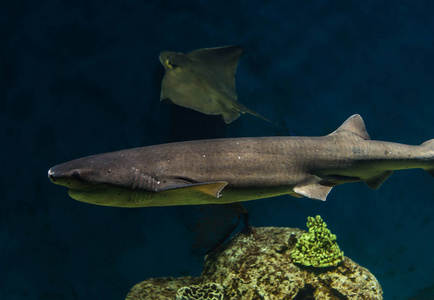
[[204, 80], [231, 170]]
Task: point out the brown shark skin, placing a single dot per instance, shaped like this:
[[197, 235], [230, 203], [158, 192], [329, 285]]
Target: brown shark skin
[[253, 168]]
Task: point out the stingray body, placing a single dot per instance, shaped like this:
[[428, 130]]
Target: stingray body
[[232, 170], [204, 80]]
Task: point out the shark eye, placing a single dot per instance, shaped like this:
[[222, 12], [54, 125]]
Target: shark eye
[[75, 174], [170, 64]]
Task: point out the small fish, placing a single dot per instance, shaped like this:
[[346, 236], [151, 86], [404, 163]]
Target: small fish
[[218, 171], [204, 80]]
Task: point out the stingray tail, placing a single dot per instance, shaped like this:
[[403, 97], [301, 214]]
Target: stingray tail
[[243, 109]]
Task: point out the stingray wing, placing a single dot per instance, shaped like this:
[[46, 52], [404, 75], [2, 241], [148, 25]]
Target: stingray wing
[[222, 61], [204, 80]]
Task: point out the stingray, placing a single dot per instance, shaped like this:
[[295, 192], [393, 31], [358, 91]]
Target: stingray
[[204, 80]]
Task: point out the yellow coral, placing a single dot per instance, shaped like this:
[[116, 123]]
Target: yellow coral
[[318, 247]]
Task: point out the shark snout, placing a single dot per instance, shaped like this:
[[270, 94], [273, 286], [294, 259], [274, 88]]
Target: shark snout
[[55, 174], [51, 175], [62, 176]]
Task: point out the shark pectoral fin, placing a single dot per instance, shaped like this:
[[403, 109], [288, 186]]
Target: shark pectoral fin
[[375, 181], [313, 190], [210, 188]]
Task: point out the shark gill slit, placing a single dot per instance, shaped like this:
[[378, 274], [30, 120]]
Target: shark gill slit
[[142, 188]]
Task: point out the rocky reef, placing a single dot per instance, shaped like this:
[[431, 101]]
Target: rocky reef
[[258, 264]]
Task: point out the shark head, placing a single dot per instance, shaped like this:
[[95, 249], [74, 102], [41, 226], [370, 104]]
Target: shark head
[[100, 179]]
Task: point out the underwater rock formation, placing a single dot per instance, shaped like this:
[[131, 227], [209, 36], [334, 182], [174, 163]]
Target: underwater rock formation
[[258, 265]]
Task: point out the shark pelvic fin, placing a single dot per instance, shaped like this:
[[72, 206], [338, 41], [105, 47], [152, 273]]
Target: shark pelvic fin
[[375, 181], [313, 190], [355, 125]]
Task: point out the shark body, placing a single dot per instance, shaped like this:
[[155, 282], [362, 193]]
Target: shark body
[[238, 169]]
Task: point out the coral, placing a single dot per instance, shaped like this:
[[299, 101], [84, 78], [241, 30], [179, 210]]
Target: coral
[[318, 247], [258, 265], [209, 291], [163, 288]]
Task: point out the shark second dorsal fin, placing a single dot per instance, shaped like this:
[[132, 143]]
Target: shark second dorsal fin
[[355, 125]]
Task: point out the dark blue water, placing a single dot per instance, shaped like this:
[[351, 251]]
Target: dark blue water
[[83, 77]]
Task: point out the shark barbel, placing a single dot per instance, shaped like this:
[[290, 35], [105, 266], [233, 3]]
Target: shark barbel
[[238, 169]]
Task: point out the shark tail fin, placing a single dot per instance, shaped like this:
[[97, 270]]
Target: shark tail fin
[[429, 145]]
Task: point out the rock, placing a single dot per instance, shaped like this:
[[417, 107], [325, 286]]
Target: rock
[[258, 265]]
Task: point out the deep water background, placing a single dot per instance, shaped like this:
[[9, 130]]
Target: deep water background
[[83, 77]]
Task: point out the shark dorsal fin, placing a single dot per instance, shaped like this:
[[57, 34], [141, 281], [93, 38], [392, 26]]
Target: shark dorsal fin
[[355, 125]]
